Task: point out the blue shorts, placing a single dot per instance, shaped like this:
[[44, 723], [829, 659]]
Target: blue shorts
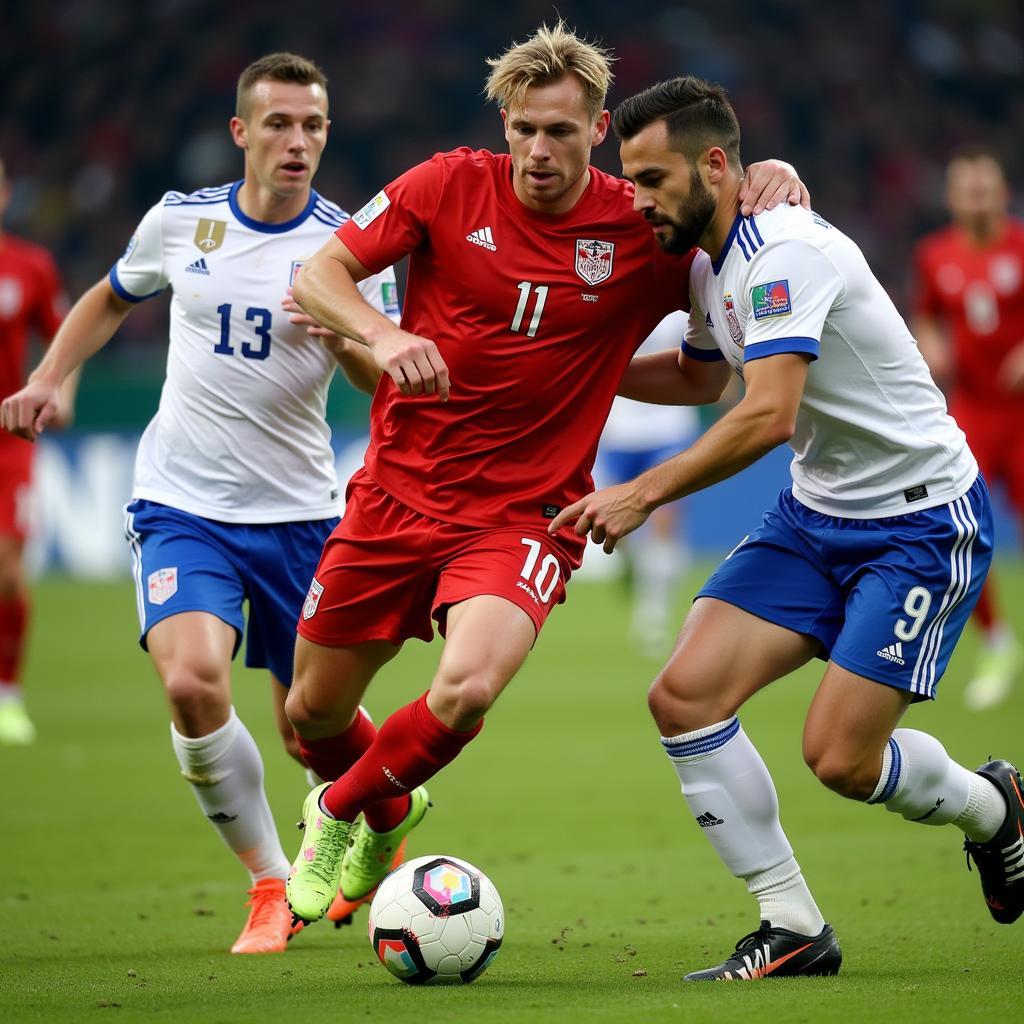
[[887, 598], [184, 563]]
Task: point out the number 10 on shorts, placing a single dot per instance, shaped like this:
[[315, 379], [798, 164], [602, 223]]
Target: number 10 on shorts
[[543, 578]]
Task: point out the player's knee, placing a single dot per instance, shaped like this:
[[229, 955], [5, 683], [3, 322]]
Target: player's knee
[[679, 703], [197, 696], [845, 773], [460, 705]]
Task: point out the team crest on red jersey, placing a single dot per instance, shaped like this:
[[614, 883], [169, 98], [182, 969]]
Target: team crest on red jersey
[[594, 259], [312, 599]]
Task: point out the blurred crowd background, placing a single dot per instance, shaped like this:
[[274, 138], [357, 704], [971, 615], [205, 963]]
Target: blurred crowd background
[[108, 104]]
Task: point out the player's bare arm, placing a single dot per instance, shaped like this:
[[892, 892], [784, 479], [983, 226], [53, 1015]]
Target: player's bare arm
[[767, 184], [670, 378], [763, 419], [356, 361], [326, 290], [86, 329]]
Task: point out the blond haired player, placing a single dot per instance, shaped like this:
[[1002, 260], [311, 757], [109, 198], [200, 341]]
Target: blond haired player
[[531, 283]]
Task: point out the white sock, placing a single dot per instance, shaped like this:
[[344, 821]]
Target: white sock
[[920, 781], [729, 791], [225, 771], [312, 779]]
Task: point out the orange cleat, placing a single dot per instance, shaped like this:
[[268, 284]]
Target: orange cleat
[[270, 921], [341, 910]]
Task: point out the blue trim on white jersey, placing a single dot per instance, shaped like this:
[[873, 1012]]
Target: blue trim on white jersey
[[120, 289], [201, 197], [702, 355], [704, 744], [808, 346], [331, 222], [745, 234], [717, 264], [332, 210], [259, 225]]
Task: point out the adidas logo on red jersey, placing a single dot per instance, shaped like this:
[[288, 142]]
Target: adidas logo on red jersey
[[482, 236]]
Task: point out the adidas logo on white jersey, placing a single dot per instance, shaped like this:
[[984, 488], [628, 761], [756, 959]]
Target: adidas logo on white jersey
[[893, 653], [199, 267], [482, 236]]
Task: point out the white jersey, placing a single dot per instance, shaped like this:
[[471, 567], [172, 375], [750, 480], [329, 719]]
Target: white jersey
[[873, 437], [639, 427], [240, 435]]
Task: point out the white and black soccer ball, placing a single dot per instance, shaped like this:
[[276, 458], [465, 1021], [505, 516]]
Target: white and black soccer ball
[[436, 919]]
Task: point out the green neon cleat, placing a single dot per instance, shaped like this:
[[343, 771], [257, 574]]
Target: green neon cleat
[[313, 879], [16, 727], [370, 854]]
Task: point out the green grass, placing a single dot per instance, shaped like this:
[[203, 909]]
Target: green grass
[[119, 903]]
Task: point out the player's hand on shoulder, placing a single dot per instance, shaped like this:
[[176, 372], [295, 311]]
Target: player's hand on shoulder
[[412, 362], [768, 183], [29, 411], [607, 515]]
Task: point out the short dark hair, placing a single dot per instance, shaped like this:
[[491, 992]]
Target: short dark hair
[[277, 67], [696, 113]]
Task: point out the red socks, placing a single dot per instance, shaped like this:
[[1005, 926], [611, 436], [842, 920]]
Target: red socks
[[13, 626], [411, 747], [332, 756]]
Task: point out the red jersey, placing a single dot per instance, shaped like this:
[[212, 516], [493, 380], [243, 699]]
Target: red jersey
[[30, 299], [536, 316], [978, 293]]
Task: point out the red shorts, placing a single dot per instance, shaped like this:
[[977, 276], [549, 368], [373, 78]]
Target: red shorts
[[387, 570], [15, 485], [996, 436]]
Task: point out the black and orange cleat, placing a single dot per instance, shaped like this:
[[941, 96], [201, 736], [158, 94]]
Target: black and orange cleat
[[777, 953], [1000, 861]]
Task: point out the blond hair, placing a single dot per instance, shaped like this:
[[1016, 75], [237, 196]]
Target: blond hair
[[548, 56]]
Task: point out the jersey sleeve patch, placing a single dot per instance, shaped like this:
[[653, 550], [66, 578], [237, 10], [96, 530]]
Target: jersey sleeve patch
[[372, 210], [770, 299]]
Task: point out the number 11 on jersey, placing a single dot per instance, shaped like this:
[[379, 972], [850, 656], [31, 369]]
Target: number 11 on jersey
[[541, 291]]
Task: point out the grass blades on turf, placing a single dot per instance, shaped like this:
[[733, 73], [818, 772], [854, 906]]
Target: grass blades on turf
[[119, 902]]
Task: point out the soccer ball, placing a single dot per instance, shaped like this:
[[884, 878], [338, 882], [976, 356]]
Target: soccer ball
[[436, 919]]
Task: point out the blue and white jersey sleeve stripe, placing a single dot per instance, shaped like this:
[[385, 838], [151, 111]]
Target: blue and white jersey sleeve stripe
[[141, 272]]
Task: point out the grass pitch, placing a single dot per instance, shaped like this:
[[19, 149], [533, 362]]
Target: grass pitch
[[119, 903]]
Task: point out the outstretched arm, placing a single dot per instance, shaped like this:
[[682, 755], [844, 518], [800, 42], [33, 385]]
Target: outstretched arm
[[763, 419], [86, 329]]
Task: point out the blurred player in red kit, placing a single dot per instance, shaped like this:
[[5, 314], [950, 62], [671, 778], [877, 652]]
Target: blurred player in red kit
[[533, 281], [31, 302], [969, 322]]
